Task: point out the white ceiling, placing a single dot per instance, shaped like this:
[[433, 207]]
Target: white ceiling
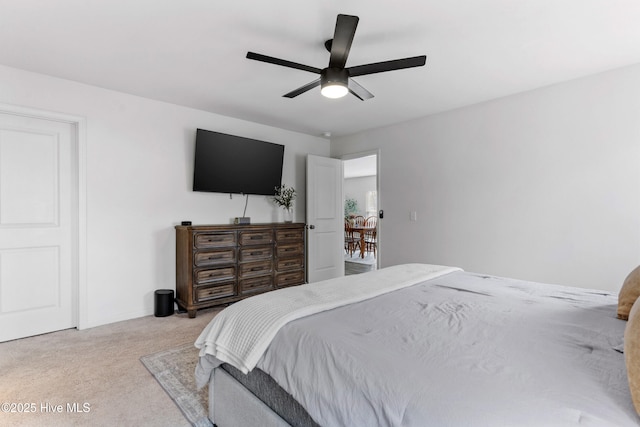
[[192, 52]]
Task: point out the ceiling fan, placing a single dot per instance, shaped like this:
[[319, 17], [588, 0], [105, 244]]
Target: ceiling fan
[[336, 80]]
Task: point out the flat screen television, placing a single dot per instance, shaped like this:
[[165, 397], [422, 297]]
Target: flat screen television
[[236, 165]]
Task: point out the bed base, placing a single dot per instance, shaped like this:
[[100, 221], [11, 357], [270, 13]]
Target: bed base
[[231, 405]]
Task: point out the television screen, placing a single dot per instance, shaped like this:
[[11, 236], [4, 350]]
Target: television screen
[[233, 164]]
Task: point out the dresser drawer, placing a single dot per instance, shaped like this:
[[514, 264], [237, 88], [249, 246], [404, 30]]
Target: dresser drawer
[[215, 275], [256, 284], [255, 253], [207, 293], [255, 237], [296, 263], [215, 257], [214, 239], [290, 234], [259, 268], [289, 278], [289, 249]]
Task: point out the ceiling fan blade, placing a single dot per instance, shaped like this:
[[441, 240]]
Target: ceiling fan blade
[[284, 63], [302, 89], [379, 67], [342, 39], [361, 93]]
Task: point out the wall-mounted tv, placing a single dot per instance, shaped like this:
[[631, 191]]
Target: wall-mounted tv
[[236, 165]]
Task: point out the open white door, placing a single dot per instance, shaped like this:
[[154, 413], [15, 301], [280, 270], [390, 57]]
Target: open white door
[[325, 219]]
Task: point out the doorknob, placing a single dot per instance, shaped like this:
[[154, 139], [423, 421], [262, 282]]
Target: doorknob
[[311, 227]]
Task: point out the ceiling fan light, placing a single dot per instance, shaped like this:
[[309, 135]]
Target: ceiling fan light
[[334, 82], [334, 90]]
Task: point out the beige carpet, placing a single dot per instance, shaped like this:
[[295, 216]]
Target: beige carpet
[[99, 367]]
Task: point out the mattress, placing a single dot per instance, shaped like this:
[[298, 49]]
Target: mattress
[[459, 349]]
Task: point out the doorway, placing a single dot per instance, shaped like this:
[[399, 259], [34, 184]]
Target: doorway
[[39, 222], [361, 197]]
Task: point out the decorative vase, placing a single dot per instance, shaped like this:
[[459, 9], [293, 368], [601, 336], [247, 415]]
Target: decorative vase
[[288, 215]]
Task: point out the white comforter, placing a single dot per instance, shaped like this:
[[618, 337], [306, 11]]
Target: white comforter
[[458, 350], [240, 334]]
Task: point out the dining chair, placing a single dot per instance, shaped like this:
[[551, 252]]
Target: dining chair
[[358, 221], [371, 222], [371, 241], [351, 242], [371, 235]]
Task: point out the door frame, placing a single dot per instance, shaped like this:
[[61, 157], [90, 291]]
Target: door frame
[[78, 203], [377, 153]]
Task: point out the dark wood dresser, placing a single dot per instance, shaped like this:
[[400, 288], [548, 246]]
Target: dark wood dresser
[[220, 264]]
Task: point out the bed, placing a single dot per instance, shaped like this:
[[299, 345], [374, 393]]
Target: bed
[[418, 345]]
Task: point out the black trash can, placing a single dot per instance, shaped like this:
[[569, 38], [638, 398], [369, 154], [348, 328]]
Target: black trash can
[[163, 303]]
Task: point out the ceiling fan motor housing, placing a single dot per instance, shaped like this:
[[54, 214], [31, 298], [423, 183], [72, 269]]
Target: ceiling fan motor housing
[[331, 76]]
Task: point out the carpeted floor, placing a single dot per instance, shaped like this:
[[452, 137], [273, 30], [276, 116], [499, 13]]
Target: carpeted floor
[[174, 370], [100, 367]]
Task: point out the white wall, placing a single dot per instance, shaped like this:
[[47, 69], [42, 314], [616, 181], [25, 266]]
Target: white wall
[[357, 188], [139, 157], [542, 186]]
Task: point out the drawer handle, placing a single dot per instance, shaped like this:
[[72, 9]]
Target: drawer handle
[[257, 268], [256, 253], [216, 274]]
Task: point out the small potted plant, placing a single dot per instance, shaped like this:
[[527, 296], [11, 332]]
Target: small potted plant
[[284, 198], [350, 208]]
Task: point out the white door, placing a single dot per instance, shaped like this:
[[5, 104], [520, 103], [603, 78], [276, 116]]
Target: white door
[[325, 219], [37, 284]]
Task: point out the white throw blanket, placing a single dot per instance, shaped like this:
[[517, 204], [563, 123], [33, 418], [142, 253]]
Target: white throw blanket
[[241, 333]]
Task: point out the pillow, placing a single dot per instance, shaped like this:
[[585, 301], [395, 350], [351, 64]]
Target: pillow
[[632, 354], [629, 293]]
